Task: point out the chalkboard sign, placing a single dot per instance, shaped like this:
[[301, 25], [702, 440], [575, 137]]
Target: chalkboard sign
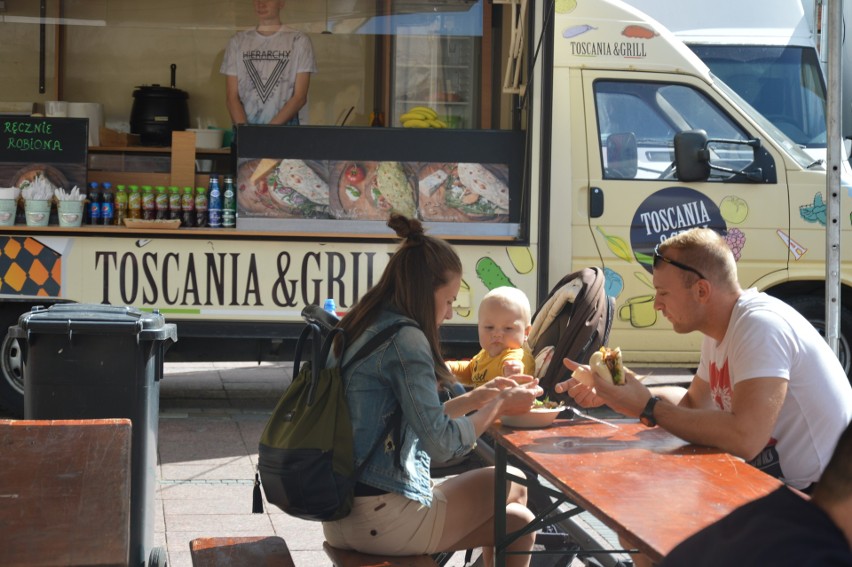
[[54, 147]]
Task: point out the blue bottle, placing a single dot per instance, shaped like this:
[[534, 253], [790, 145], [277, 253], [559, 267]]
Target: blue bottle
[[93, 212], [107, 205], [214, 203], [329, 307]]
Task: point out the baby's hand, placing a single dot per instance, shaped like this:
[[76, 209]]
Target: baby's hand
[[512, 367]]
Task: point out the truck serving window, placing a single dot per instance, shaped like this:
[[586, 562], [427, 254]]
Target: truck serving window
[[637, 121]]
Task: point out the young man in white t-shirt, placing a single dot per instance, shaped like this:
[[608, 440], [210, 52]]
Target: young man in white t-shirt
[[768, 388], [268, 70]]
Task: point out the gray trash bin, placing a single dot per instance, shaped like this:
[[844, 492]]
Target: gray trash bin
[[102, 361]]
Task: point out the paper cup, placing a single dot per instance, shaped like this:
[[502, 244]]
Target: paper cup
[[37, 212], [8, 208], [56, 108], [70, 213]]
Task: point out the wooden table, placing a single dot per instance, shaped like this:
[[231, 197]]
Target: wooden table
[[65, 492], [650, 487]]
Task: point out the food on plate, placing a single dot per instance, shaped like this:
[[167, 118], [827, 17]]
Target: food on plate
[[546, 403], [541, 414], [607, 363], [463, 192], [371, 190], [282, 188]]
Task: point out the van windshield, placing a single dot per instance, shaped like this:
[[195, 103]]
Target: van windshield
[[792, 148], [783, 83]]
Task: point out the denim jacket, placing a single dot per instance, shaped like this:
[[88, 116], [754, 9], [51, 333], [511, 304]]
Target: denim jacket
[[401, 372]]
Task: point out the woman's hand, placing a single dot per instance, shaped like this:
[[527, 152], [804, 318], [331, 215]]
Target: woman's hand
[[512, 367], [519, 399]]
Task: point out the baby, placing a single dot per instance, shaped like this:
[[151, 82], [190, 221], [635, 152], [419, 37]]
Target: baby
[[504, 324]]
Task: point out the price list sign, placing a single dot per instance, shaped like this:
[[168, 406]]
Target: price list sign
[[56, 148]]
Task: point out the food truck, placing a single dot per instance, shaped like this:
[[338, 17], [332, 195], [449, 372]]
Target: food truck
[[581, 137]]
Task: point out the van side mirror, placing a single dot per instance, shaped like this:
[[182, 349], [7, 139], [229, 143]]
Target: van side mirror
[[692, 160], [696, 155]]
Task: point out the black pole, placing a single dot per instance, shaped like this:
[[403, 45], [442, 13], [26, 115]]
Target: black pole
[[41, 45]]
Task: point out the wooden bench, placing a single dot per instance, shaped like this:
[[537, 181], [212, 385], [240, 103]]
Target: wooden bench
[[256, 551], [65, 492], [347, 558]]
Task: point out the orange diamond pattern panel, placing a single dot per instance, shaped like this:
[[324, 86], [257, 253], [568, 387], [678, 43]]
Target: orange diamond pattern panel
[[28, 267]]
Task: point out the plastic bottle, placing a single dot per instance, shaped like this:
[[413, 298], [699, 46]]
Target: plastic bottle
[[187, 207], [377, 118], [93, 210], [134, 203], [120, 205], [161, 203], [174, 203], [214, 203], [330, 307], [107, 206], [229, 203], [149, 205], [201, 215]]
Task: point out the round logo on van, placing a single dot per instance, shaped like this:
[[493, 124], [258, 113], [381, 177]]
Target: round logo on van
[[668, 212]]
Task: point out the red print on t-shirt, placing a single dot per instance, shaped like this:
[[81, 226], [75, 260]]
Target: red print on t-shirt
[[720, 386]]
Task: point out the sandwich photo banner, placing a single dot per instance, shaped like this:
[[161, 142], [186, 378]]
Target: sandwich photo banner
[[370, 190], [362, 174]]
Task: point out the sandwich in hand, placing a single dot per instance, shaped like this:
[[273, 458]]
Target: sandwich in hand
[[607, 363]]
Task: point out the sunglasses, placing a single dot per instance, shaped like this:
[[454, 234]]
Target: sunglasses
[[675, 263]]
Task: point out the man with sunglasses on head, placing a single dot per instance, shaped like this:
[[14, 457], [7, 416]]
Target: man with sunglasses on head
[[768, 388]]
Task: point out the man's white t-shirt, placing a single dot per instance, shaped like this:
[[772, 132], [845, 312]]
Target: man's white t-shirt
[[768, 338], [266, 67]]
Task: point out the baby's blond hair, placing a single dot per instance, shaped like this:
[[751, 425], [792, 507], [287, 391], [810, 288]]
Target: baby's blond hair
[[507, 296]]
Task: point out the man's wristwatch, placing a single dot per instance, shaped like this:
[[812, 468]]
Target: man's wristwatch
[[647, 415]]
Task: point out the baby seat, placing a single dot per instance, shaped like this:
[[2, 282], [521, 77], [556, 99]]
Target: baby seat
[[573, 322]]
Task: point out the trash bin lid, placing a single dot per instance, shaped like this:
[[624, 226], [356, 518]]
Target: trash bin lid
[[83, 318]]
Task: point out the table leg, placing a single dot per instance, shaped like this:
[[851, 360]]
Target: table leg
[[500, 543]]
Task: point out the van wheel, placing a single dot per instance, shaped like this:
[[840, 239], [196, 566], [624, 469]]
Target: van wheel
[[813, 309], [12, 377]]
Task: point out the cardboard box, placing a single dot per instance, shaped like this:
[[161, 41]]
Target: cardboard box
[[112, 138]]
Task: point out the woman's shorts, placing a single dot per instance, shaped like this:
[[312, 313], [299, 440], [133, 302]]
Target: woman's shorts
[[390, 524]]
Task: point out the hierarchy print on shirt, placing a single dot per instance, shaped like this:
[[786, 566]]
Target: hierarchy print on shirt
[[264, 70]]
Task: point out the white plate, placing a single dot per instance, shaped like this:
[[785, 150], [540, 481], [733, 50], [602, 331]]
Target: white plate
[[541, 417]]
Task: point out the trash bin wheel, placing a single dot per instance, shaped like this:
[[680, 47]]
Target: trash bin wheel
[[158, 558], [12, 377]]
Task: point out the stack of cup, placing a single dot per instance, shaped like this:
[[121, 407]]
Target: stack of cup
[[8, 205], [69, 206], [37, 212]]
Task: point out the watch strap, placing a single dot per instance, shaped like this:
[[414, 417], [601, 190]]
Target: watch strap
[[647, 415]]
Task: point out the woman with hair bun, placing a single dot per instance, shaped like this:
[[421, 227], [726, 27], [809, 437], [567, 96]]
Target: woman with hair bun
[[398, 509]]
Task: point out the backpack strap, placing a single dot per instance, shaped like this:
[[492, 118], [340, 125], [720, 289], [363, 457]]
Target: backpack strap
[[377, 340], [395, 422], [311, 332]]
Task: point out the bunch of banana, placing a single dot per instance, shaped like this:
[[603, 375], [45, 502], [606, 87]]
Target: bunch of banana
[[421, 117]]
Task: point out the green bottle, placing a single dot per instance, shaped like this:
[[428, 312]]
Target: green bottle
[[120, 205]]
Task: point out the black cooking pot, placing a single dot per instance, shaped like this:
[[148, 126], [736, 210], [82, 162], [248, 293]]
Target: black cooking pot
[[158, 111]]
